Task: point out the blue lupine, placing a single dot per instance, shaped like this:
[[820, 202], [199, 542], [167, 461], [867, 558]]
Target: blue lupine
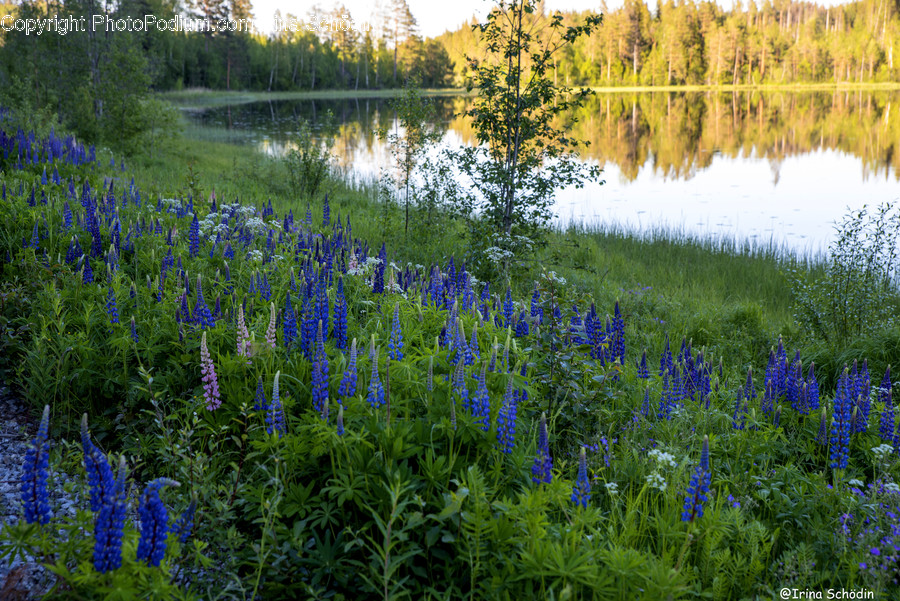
[[642, 371], [698, 489], [134, 334], [259, 401], [348, 382], [340, 316], [184, 525], [202, 315], [154, 523], [275, 413], [110, 521], [473, 343], [194, 238], [481, 404], [506, 420], [886, 424], [485, 295], [521, 325], [320, 375], [340, 421], [34, 475], [537, 313], [378, 278], [87, 274], [289, 324], [862, 388], [739, 417], [67, 216], [541, 471], [375, 397], [581, 492], [459, 386], [507, 309], [822, 437], [618, 327], [395, 342], [841, 426], [645, 405], [111, 307]]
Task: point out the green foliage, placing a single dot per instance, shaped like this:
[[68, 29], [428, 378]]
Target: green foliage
[[414, 116], [858, 294], [522, 155], [309, 161]]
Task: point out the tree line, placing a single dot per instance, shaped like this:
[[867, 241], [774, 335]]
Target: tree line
[[701, 43]]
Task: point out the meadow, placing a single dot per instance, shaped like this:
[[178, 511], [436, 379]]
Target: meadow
[[262, 397]]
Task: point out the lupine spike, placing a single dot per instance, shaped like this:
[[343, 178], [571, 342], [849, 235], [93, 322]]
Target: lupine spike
[[543, 464], [34, 475], [154, 523], [210, 379], [581, 492], [698, 489], [275, 414]]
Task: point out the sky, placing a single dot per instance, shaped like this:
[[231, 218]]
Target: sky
[[434, 17]]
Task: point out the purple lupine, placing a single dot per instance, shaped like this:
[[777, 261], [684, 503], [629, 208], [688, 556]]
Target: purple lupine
[[581, 492], [34, 475], [154, 523], [698, 489], [134, 334], [244, 345], [210, 379], [541, 471]]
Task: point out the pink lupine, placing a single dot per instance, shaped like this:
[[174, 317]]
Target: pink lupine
[[244, 346], [210, 380], [270, 332]]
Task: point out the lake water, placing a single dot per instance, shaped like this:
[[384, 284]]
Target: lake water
[[774, 166]]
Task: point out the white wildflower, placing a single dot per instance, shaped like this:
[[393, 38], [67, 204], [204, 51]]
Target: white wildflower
[[892, 487], [655, 480], [662, 458], [856, 483], [612, 488], [882, 451]]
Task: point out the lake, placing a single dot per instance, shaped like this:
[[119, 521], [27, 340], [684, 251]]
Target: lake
[[764, 166]]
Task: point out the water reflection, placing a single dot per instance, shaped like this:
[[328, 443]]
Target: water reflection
[[780, 165]]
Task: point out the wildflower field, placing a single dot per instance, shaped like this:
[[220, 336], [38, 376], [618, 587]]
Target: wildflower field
[[252, 403]]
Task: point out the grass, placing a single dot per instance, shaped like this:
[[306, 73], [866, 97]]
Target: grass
[[200, 97]]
